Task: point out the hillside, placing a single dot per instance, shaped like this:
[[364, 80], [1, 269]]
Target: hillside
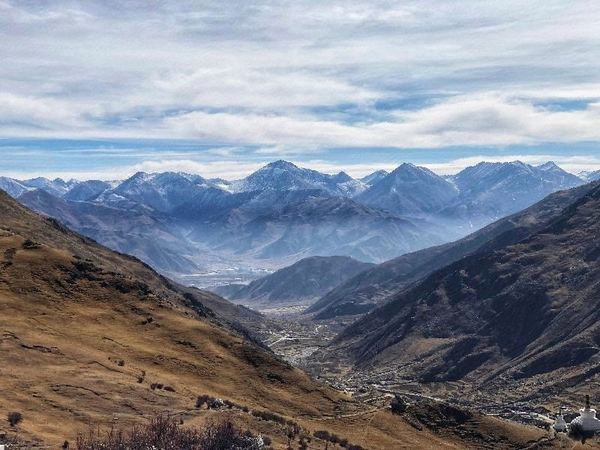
[[91, 337], [517, 319], [375, 286], [299, 284]]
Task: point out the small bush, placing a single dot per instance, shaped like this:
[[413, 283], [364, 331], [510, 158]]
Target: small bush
[[202, 399], [14, 418], [28, 244], [322, 434], [165, 434]]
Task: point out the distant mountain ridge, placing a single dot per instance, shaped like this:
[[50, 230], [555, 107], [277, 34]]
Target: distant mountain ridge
[[298, 284], [282, 213], [377, 285]]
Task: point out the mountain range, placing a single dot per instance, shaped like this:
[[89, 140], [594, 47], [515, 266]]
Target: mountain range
[[190, 227], [299, 284], [375, 286], [517, 315]]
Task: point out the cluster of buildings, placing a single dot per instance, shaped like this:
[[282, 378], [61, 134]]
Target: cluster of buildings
[[586, 422]]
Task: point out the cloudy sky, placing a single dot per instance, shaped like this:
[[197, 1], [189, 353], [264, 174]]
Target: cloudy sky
[[101, 89]]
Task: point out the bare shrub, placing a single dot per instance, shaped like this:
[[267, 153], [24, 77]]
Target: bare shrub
[[14, 418], [166, 434]]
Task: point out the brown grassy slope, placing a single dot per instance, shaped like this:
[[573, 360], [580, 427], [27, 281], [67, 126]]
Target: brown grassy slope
[[85, 332]]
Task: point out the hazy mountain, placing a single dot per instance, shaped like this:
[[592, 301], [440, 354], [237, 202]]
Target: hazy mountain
[[282, 175], [300, 283], [57, 187], [87, 190], [12, 187], [489, 191], [283, 213], [161, 191], [374, 177], [377, 285], [131, 231], [296, 224], [410, 190], [509, 312]]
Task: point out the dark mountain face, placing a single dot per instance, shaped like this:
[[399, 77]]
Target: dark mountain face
[[375, 286], [300, 283], [410, 190], [508, 312]]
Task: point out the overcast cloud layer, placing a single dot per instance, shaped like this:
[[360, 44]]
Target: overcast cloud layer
[[303, 75]]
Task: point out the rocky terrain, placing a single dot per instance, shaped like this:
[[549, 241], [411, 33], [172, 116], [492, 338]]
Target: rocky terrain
[[512, 323]]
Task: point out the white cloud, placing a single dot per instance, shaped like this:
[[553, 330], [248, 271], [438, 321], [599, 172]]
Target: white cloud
[[275, 74], [471, 120]]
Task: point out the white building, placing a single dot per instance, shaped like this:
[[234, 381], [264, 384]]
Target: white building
[[587, 420]]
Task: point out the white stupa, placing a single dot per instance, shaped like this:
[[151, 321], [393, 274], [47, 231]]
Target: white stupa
[[587, 418], [560, 425]]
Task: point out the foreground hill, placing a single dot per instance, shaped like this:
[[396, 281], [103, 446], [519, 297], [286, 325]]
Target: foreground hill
[[378, 284], [520, 318], [299, 284], [89, 336]]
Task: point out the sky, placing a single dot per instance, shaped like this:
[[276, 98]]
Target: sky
[[101, 89]]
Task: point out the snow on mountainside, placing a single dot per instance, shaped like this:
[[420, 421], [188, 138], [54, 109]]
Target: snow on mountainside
[[283, 175], [374, 177], [87, 190], [489, 191], [282, 213], [410, 190], [12, 187], [57, 187], [589, 175], [161, 191]]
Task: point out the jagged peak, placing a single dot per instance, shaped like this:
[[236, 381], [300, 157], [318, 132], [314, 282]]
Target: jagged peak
[[550, 165], [281, 164]]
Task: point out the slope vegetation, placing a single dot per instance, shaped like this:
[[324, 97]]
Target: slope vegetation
[[520, 317]]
